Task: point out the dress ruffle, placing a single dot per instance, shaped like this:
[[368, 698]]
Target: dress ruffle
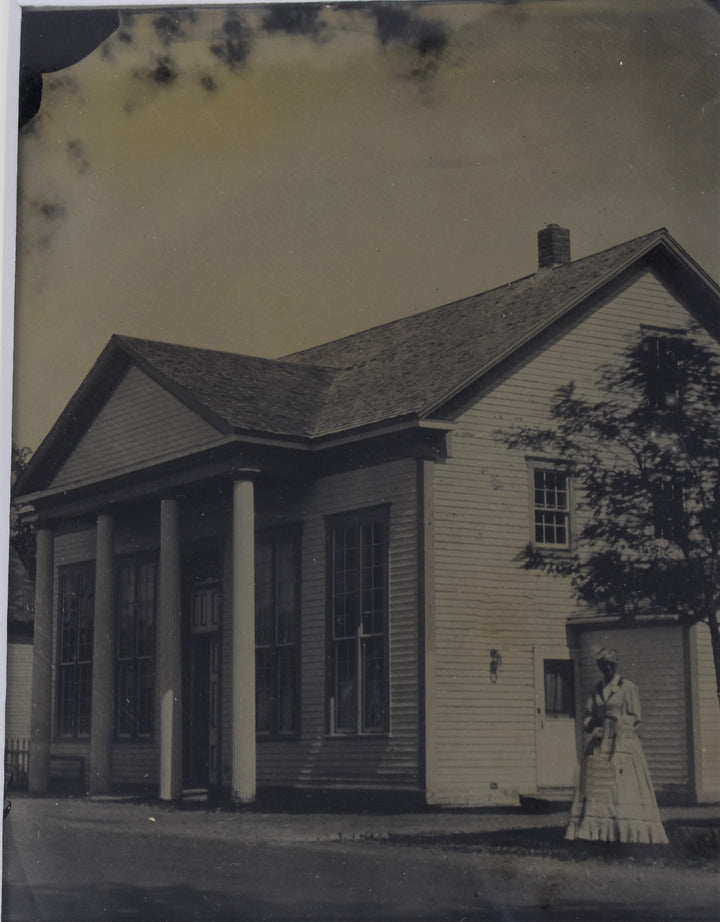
[[614, 799]]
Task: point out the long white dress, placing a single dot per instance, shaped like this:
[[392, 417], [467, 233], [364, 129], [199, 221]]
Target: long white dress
[[614, 799]]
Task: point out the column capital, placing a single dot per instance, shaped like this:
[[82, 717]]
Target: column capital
[[240, 474]]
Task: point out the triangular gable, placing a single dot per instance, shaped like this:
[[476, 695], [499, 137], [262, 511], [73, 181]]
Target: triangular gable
[[139, 423]]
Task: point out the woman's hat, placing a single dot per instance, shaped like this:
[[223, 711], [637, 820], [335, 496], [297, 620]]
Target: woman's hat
[[608, 654]]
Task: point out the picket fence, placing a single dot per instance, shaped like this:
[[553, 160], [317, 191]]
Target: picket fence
[[17, 760]]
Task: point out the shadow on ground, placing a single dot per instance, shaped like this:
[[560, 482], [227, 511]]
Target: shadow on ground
[[695, 844]]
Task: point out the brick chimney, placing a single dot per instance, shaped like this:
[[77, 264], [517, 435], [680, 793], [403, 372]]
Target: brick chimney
[[553, 246]]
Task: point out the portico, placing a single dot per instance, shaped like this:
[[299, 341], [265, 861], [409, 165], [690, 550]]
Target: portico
[[102, 731]]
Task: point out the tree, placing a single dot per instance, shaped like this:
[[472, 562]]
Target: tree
[[22, 534], [644, 451]]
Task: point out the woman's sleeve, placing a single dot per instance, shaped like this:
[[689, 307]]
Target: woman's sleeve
[[632, 704], [589, 713]]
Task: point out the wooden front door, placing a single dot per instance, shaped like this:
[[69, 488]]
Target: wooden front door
[[201, 673]]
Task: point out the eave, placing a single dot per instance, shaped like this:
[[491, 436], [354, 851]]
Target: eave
[[661, 251], [242, 455]]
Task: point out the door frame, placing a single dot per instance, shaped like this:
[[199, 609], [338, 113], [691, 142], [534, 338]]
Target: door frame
[[540, 655], [195, 557]]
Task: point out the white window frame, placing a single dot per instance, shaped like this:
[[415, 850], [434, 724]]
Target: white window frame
[[554, 467]]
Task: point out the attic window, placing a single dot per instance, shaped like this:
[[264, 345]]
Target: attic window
[[662, 349]]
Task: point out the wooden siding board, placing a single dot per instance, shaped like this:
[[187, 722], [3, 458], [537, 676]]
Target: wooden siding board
[[317, 758], [705, 715], [483, 598], [19, 690], [652, 658], [140, 423]]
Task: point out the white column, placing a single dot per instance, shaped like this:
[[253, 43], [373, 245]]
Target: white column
[[243, 652], [169, 653], [40, 718], [101, 721]]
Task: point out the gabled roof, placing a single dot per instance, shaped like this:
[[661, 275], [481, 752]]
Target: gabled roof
[[407, 369], [416, 364], [238, 393]]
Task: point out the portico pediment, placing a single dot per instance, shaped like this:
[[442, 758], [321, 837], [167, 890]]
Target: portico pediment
[[139, 423]]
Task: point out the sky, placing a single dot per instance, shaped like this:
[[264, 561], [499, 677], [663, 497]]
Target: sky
[[259, 182]]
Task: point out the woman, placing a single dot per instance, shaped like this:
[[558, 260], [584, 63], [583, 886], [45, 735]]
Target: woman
[[614, 801]]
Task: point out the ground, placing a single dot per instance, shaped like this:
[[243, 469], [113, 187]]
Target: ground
[[81, 859]]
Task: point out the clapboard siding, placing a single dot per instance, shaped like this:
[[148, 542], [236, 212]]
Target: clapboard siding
[[317, 758], [706, 715], [136, 763], [653, 658], [73, 750], [140, 423], [19, 690], [484, 733]]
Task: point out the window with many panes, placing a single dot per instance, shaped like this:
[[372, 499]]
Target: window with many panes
[[551, 506], [75, 649], [277, 633], [358, 610], [136, 601]]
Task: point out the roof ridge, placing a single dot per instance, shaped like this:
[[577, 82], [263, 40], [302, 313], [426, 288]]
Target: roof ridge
[[293, 356], [131, 341]]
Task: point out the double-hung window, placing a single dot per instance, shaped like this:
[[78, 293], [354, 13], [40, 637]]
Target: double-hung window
[[277, 634], [357, 555], [550, 487], [137, 601], [75, 648]]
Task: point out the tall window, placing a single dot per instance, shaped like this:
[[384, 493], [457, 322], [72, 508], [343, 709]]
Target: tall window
[[277, 629], [75, 646], [136, 649], [662, 371], [357, 560], [551, 507]]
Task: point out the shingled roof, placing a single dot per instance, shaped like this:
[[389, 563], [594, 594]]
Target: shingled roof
[[414, 365], [237, 392], [404, 370]]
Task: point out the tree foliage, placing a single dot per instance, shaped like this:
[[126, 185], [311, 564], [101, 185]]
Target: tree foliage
[[22, 534], [644, 454]]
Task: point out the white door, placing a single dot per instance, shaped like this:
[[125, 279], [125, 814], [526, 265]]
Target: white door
[[555, 718]]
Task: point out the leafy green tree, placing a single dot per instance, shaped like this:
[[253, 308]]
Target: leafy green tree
[[644, 454]]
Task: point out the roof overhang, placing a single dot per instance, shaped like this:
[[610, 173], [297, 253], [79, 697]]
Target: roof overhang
[[241, 456]]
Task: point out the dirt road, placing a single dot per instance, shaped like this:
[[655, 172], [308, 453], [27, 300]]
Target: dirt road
[[81, 860]]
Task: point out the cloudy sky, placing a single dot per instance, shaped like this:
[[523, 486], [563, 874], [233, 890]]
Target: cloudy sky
[[258, 182]]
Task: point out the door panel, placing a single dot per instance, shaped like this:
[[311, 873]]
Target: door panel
[[555, 719], [201, 671]]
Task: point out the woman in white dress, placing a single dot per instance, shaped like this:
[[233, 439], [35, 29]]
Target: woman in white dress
[[614, 800]]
